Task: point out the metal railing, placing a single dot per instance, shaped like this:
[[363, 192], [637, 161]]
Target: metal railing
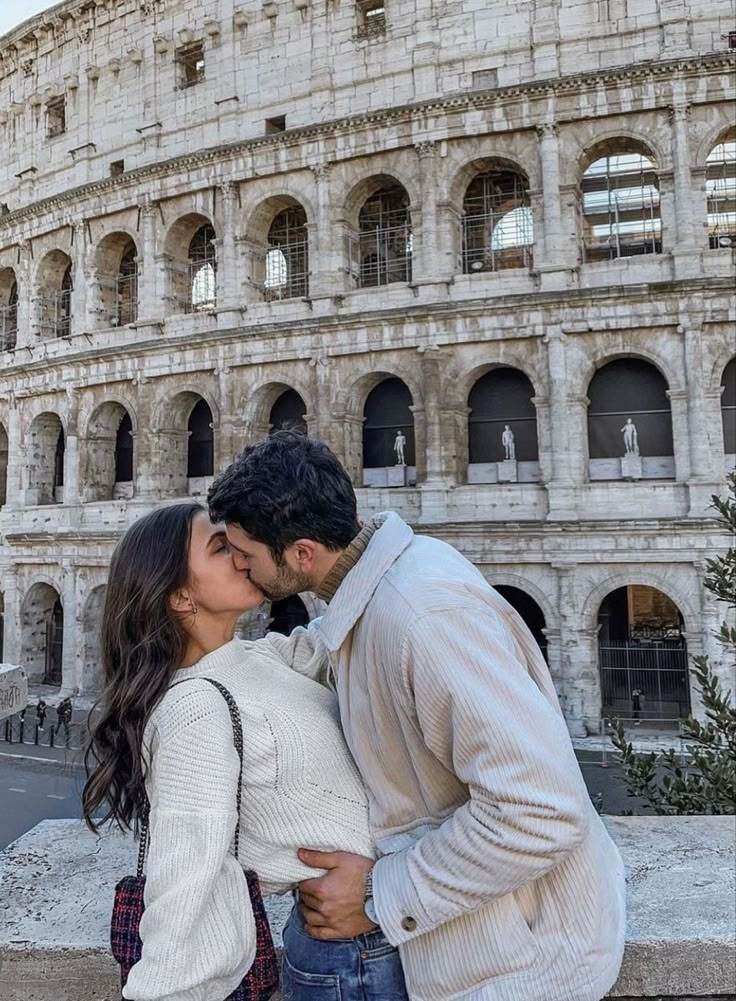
[[55, 314], [384, 255], [658, 672], [286, 271], [27, 730]]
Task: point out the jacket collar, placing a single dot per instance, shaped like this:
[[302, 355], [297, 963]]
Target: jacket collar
[[390, 540]]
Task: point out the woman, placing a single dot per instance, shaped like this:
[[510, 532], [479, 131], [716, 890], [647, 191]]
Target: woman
[[165, 737]]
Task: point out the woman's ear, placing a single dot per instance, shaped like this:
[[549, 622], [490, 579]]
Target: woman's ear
[[181, 602]]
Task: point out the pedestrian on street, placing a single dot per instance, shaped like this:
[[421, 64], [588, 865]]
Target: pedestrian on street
[[64, 717], [41, 710]]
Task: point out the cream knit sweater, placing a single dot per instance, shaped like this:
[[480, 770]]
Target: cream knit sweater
[[300, 789]]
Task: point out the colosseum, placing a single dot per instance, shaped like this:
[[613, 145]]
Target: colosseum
[[500, 235]]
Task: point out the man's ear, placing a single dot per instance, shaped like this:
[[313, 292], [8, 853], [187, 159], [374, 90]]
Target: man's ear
[[305, 554]]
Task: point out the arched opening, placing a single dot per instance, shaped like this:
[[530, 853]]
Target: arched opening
[[55, 287], [42, 635], [8, 310], [287, 256], [288, 411], [2, 627], [720, 189], [728, 413], [3, 465], [44, 461], [192, 267], [117, 279], [498, 231], [92, 678], [201, 444], [108, 454], [629, 423], [287, 614], [385, 237], [643, 658], [388, 435], [502, 429], [529, 610], [620, 203]]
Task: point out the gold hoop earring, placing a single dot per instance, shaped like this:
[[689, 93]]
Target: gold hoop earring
[[192, 607]]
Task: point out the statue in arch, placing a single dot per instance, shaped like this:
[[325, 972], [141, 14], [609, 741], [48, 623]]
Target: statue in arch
[[508, 442], [399, 446], [631, 437]]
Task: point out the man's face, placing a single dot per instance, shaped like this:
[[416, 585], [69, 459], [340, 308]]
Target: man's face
[[276, 580]]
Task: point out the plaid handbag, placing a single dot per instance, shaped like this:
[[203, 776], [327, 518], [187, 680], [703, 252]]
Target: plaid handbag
[[262, 979]]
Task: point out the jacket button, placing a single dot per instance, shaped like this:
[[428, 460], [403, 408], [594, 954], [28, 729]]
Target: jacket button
[[409, 924]]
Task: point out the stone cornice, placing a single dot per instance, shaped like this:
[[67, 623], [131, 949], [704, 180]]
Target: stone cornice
[[553, 87]]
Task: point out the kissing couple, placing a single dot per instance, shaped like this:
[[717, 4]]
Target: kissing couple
[[406, 768]]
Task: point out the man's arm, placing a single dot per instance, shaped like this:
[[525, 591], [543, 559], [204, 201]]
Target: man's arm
[[485, 719], [302, 650]]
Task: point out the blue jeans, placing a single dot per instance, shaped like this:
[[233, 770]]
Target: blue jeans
[[366, 968]]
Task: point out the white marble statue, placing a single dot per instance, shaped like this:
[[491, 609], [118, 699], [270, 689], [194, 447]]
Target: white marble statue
[[631, 437], [399, 445], [508, 442]]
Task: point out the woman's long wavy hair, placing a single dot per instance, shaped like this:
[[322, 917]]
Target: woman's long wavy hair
[[142, 645]]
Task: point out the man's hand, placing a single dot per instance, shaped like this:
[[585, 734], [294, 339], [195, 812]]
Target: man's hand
[[332, 904]]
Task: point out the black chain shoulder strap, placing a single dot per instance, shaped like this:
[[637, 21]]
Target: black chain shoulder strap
[[237, 725]]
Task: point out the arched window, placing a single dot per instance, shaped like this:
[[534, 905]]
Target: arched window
[[387, 414], [202, 270], [42, 635], [529, 610], [127, 287], [720, 187], [287, 256], [643, 656], [43, 468], [502, 427], [728, 413], [498, 231], [124, 450], [385, 238], [3, 467], [201, 445], [59, 464], [8, 310], [288, 412], [629, 418], [55, 288], [621, 207]]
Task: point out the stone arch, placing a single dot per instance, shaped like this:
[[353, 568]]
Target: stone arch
[[8, 309], [500, 403], [182, 449], [630, 393], [53, 289], [530, 611], [728, 411], [107, 458], [713, 137], [278, 228], [388, 412], [3, 465], [507, 578], [44, 460], [116, 263], [625, 140], [263, 397], [288, 411], [92, 673], [191, 256], [599, 359], [720, 190], [676, 591], [42, 634], [378, 210], [642, 654], [620, 199]]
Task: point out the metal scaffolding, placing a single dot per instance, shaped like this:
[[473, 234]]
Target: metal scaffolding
[[384, 242], [286, 265], [720, 187], [620, 204], [497, 226]]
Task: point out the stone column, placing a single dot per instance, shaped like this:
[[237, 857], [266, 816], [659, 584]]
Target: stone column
[[686, 252], [573, 679], [72, 629], [549, 157], [150, 286], [327, 267], [80, 320], [561, 487], [15, 456], [713, 614], [680, 431], [12, 613], [229, 279], [71, 452], [23, 271], [225, 446], [703, 426], [322, 422], [427, 264]]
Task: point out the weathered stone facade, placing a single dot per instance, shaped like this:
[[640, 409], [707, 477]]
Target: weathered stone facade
[[153, 156]]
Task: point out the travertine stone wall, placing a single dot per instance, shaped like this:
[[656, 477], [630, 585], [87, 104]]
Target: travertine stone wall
[[543, 88]]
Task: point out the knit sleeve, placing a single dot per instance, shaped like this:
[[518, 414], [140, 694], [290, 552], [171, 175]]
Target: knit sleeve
[[303, 650], [197, 930], [484, 718]]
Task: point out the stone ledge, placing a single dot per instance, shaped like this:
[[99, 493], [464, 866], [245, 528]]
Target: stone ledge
[[58, 883]]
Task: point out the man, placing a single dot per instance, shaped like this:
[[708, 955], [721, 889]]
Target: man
[[495, 876]]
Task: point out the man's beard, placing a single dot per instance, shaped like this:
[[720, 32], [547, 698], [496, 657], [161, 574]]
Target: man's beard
[[284, 583]]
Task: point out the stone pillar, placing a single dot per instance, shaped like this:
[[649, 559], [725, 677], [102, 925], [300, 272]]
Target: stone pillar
[[427, 265], [679, 405], [71, 452], [12, 614], [327, 266], [703, 425], [713, 614], [15, 456], [80, 321], [549, 157], [440, 451], [573, 676], [72, 628], [566, 427], [229, 279], [23, 271], [322, 422], [686, 252], [150, 286]]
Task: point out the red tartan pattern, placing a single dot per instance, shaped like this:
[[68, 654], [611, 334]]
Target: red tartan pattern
[[259, 983]]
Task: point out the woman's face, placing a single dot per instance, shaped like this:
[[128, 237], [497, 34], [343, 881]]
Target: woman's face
[[214, 583]]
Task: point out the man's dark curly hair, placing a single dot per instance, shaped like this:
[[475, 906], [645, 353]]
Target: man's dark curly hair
[[285, 488]]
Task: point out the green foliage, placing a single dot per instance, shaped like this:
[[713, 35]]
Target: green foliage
[[706, 783]]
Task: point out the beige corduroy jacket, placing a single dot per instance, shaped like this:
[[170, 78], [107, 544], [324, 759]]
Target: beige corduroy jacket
[[497, 879]]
